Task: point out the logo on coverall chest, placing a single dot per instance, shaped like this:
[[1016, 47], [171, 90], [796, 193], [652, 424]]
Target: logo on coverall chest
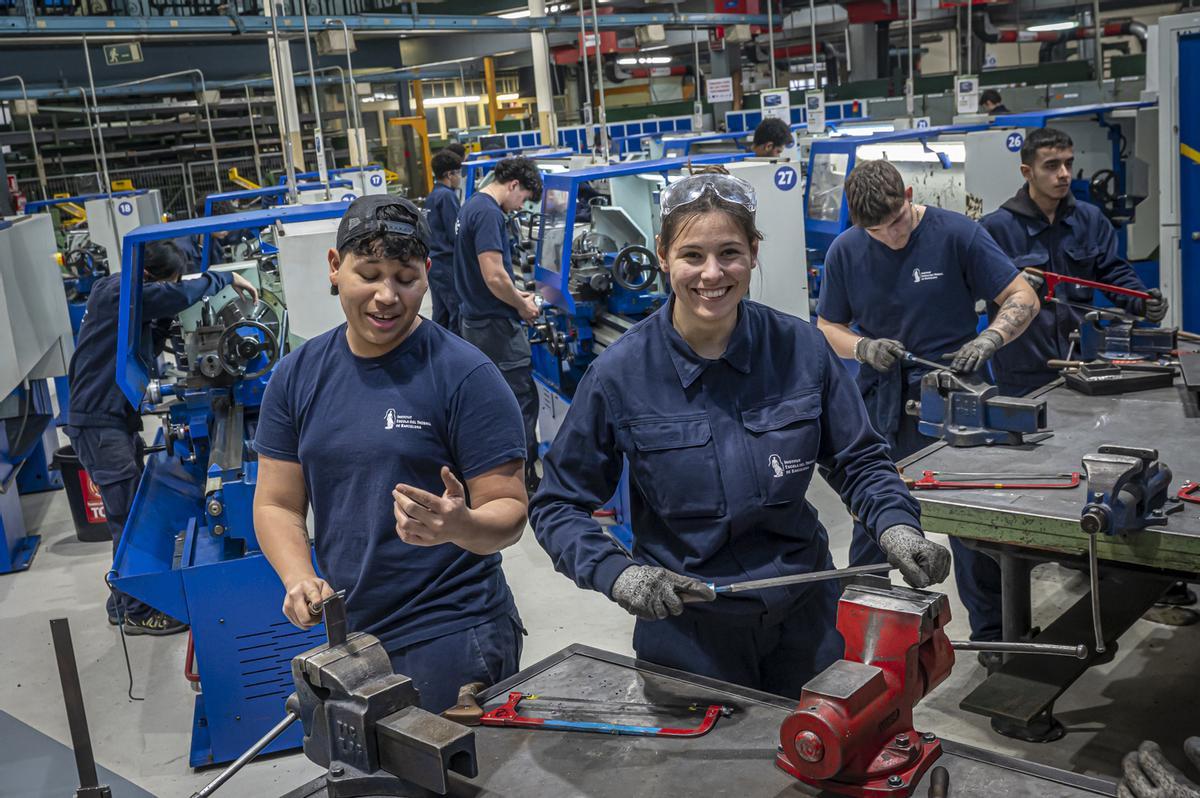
[[922, 276], [393, 420], [782, 468]]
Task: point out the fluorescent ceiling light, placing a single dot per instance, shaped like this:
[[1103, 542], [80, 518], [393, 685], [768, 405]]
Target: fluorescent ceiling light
[[653, 59], [507, 98], [469, 98], [524, 12], [1051, 26]]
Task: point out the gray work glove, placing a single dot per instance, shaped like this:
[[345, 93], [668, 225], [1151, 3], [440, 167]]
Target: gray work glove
[[1146, 773], [1036, 281], [880, 354], [652, 593], [1154, 309], [922, 562], [975, 353]]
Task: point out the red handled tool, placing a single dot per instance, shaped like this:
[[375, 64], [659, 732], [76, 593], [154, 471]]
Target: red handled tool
[[1190, 492], [509, 714], [1053, 279], [933, 480]]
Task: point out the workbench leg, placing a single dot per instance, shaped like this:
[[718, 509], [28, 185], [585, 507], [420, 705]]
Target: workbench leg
[[1015, 596]]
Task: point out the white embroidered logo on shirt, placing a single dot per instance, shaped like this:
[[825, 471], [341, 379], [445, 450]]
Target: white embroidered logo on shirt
[[921, 277], [393, 420], [783, 468]]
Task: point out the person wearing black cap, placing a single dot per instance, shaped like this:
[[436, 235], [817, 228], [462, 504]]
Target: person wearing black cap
[[101, 423], [408, 446], [492, 307]]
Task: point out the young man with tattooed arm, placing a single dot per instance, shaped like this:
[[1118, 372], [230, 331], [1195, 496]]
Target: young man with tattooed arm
[[907, 278]]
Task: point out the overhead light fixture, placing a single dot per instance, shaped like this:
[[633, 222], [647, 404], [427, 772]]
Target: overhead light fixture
[[508, 98], [644, 60], [1052, 26], [524, 12], [465, 99]]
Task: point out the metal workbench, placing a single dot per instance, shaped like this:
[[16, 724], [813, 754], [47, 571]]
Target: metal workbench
[[736, 758], [1023, 528]]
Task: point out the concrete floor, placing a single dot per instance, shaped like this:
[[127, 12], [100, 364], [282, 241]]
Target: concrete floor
[[1148, 691]]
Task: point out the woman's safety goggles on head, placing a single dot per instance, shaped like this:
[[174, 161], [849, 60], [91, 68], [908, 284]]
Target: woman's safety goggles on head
[[691, 188]]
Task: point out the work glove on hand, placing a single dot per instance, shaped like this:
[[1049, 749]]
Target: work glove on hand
[[1146, 773], [922, 562], [975, 353], [880, 354], [1036, 281], [1154, 309], [652, 593]]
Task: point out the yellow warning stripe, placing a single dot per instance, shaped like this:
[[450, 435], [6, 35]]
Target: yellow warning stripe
[[1189, 153]]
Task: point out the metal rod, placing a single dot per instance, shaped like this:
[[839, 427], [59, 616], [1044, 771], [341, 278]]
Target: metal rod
[[970, 38], [318, 133], [697, 105], [289, 161], [87, 116], [361, 159], [771, 41], [246, 757], [812, 34], [587, 80], [1094, 585], [254, 139], [1099, 52], [37, 156], [800, 579], [346, 101], [87, 57], [920, 361], [68, 675], [1050, 649], [909, 86], [849, 58], [600, 85]]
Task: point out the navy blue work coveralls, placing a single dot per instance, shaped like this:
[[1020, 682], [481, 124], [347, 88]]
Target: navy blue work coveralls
[[1080, 242], [721, 453], [924, 296], [442, 214], [101, 423]]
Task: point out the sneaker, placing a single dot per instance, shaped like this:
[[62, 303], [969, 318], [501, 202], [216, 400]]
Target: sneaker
[[113, 620], [156, 624]]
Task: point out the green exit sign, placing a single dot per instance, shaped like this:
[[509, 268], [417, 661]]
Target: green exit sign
[[130, 53]]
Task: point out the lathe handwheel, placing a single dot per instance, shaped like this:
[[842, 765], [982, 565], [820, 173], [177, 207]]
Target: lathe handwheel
[[231, 349], [635, 268]]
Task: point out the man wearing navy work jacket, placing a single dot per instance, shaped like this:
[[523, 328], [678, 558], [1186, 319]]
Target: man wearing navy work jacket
[[908, 277], [442, 214], [1043, 228]]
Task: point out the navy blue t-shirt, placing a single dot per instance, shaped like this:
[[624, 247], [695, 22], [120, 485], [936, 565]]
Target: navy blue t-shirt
[[442, 205], [482, 227], [358, 426], [923, 295]]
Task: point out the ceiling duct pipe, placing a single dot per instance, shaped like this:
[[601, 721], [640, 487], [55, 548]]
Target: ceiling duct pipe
[[990, 34]]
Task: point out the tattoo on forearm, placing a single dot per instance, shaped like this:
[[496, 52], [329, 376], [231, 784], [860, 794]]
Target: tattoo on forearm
[[1013, 317]]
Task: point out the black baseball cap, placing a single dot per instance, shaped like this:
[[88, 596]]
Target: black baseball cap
[[362, 220]]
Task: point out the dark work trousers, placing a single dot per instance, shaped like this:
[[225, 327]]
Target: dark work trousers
[[778, 657], [444, 296], [505, 343], [112, 458], [488, 653], [976, 574]]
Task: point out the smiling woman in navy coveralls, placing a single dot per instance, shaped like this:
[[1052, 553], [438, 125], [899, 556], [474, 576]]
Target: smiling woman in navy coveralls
[[408, 444], [723, 408]]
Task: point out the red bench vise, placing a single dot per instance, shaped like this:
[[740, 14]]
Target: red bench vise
[[852, 732]]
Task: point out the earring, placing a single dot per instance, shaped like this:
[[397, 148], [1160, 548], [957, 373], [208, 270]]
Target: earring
[[333, 290]]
